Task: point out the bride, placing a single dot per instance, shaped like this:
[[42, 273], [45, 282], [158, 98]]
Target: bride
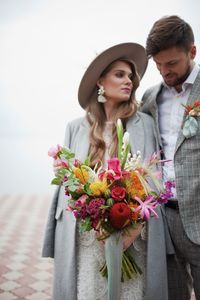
[[107, 93]]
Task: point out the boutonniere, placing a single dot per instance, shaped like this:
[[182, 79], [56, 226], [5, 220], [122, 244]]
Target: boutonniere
[[190, 126]]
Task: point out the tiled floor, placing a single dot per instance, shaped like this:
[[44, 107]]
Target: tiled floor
[[23, 273]]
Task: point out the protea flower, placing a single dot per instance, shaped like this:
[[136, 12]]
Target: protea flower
[[120, 215]]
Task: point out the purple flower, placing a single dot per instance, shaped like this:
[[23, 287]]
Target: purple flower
[[169, 184], [164, 197], [66, 191], [93, 207], [83, 212], [76, 214], [80, 207]]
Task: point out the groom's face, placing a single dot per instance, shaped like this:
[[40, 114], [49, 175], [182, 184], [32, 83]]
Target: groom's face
[[175, 64]]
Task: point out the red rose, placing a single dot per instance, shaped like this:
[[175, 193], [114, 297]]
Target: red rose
[[118, 193], [120, 213]]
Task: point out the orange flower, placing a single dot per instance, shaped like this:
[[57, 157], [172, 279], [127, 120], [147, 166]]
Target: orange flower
[[134, 185], [196, 103], [81, 174], [134, 215], [195, 106]]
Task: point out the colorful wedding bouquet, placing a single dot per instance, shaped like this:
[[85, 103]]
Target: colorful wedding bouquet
[[113, 199]]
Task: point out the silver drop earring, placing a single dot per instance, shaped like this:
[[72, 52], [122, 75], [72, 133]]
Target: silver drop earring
[[101, 97]]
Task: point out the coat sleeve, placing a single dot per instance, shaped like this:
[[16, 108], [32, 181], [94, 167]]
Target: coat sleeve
[[156, 273], [48, 244], [49, 235]]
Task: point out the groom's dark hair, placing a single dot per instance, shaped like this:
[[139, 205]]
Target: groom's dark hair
[[167, 32]]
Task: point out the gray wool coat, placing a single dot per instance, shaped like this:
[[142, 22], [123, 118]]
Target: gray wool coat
[[60, 235]]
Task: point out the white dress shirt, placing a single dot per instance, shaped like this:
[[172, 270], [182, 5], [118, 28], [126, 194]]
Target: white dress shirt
[[170, 115]]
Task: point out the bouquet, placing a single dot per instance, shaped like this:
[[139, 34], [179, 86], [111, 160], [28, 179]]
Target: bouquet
[[114, 199]]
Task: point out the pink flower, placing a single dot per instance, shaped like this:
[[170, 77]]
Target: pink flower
[[82, 199], [114, 166], [147, 207], [118, 193], [57, 164], [60, 163], [53, 151], [114, 170], [77, 163]]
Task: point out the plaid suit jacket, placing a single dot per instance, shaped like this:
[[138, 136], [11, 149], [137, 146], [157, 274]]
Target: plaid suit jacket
[[186, 163]]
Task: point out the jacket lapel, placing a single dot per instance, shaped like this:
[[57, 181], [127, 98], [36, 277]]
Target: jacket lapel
[[133, 127], [194, 95], [153, 108], [81, 146]]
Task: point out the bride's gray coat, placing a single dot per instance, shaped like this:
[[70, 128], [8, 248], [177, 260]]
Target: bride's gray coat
[[60, 235]]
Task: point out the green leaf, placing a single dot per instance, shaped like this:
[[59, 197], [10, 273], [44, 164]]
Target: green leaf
[[56, 181], [120, 137], [61, 173], [72, 181], [85, 225], [87, 189], [87, 161], [104, 206], [125, 154], [72, 188], [66, 153]]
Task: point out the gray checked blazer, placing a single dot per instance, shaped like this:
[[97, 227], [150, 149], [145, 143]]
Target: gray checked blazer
[[60, 235], [186, 163]]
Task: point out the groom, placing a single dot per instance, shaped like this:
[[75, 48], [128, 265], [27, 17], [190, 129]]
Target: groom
[[171, 45]]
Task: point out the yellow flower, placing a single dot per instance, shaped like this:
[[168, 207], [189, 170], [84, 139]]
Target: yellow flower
[[98, 187], [81, 174]]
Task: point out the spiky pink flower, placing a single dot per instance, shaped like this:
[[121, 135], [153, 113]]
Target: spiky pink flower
[[147, 207]]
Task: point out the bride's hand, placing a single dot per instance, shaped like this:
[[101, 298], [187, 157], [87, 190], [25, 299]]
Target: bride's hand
[[129, 237], [98, 235]]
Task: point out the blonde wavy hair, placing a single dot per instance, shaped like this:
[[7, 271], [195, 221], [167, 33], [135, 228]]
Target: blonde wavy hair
[[96, 117]]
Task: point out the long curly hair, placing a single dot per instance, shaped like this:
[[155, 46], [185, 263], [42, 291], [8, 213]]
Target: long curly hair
[[97, 118]]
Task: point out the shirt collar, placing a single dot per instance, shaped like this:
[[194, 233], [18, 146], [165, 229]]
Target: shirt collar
[[190, 79]]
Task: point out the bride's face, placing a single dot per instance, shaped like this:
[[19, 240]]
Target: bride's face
[[117, 82]]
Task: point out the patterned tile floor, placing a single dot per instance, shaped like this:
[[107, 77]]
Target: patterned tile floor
[[23, 273]]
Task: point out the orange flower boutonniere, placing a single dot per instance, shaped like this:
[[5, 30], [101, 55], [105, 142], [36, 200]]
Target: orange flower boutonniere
[[191, 126]]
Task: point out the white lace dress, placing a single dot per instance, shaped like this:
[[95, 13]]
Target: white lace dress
[[90, 258]]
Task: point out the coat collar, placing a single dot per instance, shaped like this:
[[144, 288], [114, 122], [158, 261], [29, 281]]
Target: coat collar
[[133, 126], [153, 107], [136, 135]]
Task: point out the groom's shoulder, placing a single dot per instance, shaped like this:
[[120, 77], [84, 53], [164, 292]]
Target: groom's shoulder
[[152, 89], [146, 118]]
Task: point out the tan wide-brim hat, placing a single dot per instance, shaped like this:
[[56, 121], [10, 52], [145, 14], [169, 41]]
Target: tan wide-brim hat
[[130, 51]]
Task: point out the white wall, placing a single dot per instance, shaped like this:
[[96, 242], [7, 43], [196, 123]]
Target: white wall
[[45, 48]]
